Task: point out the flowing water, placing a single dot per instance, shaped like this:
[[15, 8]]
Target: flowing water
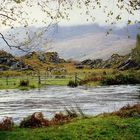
[[49, 100]]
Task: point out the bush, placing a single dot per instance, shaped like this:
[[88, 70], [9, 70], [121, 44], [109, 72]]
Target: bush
[[60, 118], [72, 84], [104, 73], [35, 120], [24, 83], [32, 86], [6, 124], [119, 79], [136, 51], [70, 113]]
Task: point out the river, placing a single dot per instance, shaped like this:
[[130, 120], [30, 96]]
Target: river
[[18, 104]]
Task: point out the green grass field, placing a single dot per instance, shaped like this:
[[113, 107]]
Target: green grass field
[[14, 78], [92, 128], [13, 83]]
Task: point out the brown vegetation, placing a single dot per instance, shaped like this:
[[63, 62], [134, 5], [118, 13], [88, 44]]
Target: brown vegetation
[[90, 79], [37, 119], [128, 111], [6, 124]]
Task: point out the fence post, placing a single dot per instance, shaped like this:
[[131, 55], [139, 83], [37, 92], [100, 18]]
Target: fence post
[[75, 77], [7, 83], [45, 76], [39, 78]]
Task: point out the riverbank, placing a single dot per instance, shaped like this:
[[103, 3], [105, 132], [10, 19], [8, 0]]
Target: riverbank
[[105, 126]]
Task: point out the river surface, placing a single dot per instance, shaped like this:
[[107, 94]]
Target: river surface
[[49, 100]]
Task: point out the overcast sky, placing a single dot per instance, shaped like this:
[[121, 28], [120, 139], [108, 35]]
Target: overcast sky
[[36, 14], [100, 15]]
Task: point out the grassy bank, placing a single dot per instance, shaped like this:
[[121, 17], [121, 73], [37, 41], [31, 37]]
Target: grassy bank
[[100, 127]]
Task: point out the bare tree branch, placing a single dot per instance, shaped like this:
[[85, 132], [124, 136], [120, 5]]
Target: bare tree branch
[[11, 46], [7, 16]]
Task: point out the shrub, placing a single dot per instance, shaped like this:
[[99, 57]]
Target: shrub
[[108, 80], [136, 51], [6, 124], [35, 120], [32, 86], [60, 118], [24, 83], [119, 79], [104, 73], [72, 84], [70, 113]]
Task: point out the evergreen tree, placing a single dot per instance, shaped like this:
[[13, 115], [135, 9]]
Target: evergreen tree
[[136, 52]]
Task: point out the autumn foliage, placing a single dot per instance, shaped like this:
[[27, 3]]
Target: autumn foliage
[[128, 111], [6, 124]]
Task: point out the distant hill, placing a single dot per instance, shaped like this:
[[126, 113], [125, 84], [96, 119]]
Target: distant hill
[[93, 46], [90, 41]]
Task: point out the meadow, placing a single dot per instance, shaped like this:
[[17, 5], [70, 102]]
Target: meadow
[[87, 77]]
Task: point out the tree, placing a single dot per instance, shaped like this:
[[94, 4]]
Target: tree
[[137, 50], [16, 12]]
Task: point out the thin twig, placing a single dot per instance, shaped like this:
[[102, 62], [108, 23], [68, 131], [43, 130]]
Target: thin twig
[[7, 16], [11, 46]]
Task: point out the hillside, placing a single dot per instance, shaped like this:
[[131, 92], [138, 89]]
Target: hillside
[[93, 46], [116, 61], [8, 61], [51, 60], [32, 61]]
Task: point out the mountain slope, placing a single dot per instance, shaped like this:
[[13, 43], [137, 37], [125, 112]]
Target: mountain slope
[[93, 45]]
